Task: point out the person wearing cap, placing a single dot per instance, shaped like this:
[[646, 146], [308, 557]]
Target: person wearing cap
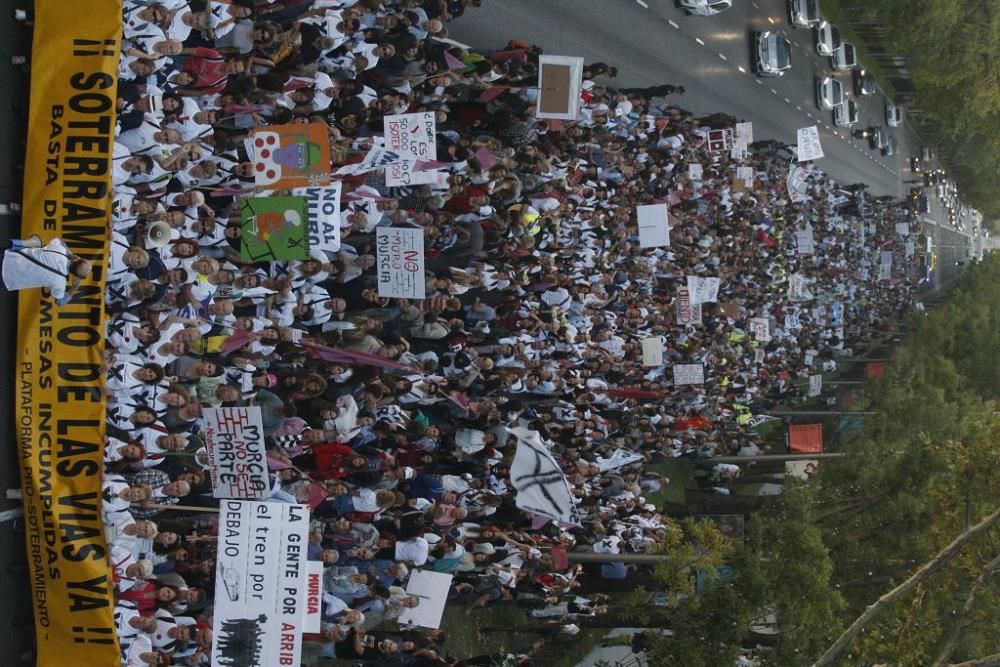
[[28, 264]]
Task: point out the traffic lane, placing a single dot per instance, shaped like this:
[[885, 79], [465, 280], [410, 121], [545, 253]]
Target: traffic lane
[[727, 35], [649, 52]]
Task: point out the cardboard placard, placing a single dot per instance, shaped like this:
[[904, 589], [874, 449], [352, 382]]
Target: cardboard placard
[[274, 228], [809, 146], [291, 156], [688, 374], [323, 206], [652, 351], [411, 135], [261, 581], [400, 262], [237, 463], [654, 225]]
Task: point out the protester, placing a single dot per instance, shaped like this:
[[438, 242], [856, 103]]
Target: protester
[[28, 264], [392, 418]]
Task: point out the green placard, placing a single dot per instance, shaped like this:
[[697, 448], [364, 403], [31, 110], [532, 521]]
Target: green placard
[[274, 228]]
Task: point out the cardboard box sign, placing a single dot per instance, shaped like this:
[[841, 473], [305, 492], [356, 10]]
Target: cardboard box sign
[[559, 79]]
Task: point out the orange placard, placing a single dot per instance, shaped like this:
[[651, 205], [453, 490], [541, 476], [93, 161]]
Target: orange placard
[[291, 156], [875, 369], [805, 438]]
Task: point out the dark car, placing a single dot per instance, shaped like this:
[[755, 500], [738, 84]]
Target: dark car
[[916, 164], [864, 83]]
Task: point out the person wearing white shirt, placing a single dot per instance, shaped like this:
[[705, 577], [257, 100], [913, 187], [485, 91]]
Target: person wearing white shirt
[[27, 264]]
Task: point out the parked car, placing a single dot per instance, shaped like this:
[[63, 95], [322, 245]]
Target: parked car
[[829, 92], [916, 165], [845, 114], [803, 13], [893, 115], [890, 147], [845, 57], [827, 38], [772, 53], [704, 7]]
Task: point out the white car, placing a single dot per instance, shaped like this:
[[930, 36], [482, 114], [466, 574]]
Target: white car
[[803, 13], [829, 93], [705, 7], [845, 114], [845, 57], [827, 39], [893, 115], [772, 53]]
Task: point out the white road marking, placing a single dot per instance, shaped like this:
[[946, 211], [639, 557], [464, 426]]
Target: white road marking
[[642, 3], [723, 57], [699, 40], [673, 25], [759, 82], [787, 101], [741, 69], [774, 92]]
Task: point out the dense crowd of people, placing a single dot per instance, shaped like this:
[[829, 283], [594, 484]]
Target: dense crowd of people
[[538, 298]]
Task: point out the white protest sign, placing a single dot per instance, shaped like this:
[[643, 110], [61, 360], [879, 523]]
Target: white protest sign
[[234, 440], [703, 290], [746, 174], [903, 228], [654, 225], [797, 183], [431, 588], [809, 147], [404, 173], [815, 385], [411, 135], [652, 351], [760, 327], [798, 288], [884, 271], [804, 241], [618, 458], [810, 356], [886, 257], [324, 215], [689, 374], [694, 171], [792, 322], [744, 131], [560, 79], [377, 156], [260, 584], [687, 312], [742, 138], [400, 262], [909, 249], [759, 355], [314, 597]]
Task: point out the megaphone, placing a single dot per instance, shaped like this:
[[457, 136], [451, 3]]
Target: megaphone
[[158, 235]]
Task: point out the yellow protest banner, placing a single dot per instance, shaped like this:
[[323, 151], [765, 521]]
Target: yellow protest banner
[[60, 407]]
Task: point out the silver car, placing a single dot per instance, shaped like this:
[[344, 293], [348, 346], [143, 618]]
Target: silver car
[[829, 93], [893, 115], [772, 53], [845, 114], [827, 39], [845, 57]]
